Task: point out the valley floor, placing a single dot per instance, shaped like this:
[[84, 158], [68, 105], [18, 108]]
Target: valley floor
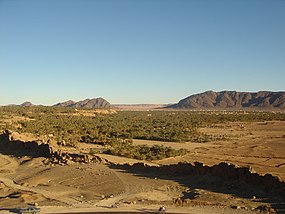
[[100, 187]]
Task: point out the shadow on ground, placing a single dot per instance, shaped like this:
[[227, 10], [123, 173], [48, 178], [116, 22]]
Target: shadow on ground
[[218, 184]]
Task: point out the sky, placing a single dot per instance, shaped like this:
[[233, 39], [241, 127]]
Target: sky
[[138, 51]]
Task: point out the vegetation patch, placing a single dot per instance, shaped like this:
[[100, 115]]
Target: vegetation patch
[[144, 152]]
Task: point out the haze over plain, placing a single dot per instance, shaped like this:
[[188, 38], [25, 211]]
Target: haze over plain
[[138, 51]]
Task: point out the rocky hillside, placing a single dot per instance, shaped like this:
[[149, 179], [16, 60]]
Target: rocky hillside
[[68, 103], [233, 99], [88, 103]]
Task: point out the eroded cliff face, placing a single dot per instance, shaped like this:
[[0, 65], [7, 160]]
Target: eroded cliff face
[[226, 171], [11, 144]]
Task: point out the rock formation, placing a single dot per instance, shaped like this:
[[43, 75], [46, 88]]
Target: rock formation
[[11, 146]]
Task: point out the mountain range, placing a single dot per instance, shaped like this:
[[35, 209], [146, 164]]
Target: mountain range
[[232, 99], [206, 100]]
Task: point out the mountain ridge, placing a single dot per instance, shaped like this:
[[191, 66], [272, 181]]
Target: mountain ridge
[[87, 103], [232, 99]]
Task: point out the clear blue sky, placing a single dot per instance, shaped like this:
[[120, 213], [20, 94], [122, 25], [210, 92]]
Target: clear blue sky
[[138, 51]]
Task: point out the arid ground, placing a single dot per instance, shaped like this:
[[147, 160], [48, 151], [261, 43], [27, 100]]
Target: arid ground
[[108, 186]]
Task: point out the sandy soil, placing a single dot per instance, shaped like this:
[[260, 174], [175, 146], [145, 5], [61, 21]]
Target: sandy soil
[[259, 145], [103, 188]]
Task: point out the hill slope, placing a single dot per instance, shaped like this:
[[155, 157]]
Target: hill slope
[[88, 103], [232, 99]]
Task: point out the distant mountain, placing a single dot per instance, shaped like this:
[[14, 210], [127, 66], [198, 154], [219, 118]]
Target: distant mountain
[[232, 99], [139, 106], [27, 104], [88, 103]]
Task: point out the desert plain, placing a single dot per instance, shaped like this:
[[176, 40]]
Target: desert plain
[[242, 173]]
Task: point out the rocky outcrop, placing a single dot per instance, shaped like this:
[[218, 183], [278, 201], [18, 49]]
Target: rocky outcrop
[[233, 99], [65, 158], [9, 145], [222, 170]]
